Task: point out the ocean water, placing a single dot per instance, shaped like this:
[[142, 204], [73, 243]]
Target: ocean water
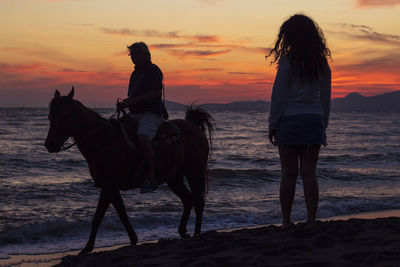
[[48, 200]]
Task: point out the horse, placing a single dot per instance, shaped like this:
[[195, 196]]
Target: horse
[[111, 160]]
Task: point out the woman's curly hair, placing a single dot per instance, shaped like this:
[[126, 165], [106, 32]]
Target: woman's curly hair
[[303, 42]]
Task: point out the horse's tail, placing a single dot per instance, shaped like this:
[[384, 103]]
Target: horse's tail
[[201, 118]]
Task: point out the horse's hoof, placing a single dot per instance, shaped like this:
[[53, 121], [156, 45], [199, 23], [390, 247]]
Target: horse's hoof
[[133, 239], [84, 252]]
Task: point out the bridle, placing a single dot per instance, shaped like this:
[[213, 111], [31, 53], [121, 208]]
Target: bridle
[[63, 148], [116, 114]]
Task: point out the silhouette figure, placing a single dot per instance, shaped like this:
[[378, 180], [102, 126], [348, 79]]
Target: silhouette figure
[[145, 105], [300, 106], [102, 144]]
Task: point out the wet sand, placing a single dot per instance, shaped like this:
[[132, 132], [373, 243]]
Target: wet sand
[[338, 241]]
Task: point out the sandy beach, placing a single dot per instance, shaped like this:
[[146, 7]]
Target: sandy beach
[[356, 240]]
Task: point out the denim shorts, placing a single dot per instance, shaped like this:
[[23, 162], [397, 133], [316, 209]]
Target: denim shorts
[[148, 123], [301, 129]]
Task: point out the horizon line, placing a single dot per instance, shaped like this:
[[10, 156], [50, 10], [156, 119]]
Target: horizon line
[[212, 103]]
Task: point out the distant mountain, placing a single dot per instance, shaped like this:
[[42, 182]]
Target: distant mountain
[[242, 105], [353, 101], [356, 101], [174, 105]]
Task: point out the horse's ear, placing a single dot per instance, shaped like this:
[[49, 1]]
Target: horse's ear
[[57, 94], [71, 94]]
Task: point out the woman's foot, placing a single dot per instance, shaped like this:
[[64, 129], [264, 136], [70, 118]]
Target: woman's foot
[[287, 225], [310, 225]]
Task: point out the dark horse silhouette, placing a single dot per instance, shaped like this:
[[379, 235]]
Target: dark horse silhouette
[[110, 159]]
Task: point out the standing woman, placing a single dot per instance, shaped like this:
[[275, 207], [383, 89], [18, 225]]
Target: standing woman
[[300, 106]]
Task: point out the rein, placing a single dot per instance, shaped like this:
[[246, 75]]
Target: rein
[[63, 148]]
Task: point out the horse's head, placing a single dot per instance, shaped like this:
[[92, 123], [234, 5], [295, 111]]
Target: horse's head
[[62, 117]]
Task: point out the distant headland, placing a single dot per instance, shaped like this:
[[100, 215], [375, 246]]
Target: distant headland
[[353, 101]]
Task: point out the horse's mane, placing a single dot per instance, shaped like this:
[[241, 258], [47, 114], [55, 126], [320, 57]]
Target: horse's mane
[[90, 111]]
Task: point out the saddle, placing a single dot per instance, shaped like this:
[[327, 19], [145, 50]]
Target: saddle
[[168, 133]]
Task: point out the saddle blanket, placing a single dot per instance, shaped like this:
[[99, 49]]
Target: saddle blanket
[[167, 134]]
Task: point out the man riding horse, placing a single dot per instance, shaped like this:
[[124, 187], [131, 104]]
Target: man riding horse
[[145, 105], [113, 164]]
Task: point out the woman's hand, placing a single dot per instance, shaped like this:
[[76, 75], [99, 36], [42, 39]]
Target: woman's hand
[[271, 136]]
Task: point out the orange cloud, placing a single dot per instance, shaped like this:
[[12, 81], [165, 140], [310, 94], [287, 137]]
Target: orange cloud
[[374, 3]]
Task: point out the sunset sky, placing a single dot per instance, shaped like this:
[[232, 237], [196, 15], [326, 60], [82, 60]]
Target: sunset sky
[[209, 50]]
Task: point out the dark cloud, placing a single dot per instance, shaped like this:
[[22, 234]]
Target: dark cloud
[[206, 38], [209, 69], [263, 83], [209, 48], [375, 3], [197, 53], [195, 45], [363, 28], [242, 73], [170, 46], [158, 34], [365, 33], [188, 50], [72, 70]]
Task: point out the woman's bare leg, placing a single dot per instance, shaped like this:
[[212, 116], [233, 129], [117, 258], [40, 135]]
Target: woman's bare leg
[[289, 165], [308, 165]]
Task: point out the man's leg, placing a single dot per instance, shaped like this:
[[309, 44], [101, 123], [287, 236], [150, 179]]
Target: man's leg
[[147, 129], [148, 158]]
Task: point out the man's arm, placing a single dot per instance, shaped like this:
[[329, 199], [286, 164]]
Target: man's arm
[[154, 92], [138, 100]]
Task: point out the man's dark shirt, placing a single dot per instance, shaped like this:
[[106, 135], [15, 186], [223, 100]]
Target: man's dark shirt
[[142, 80]]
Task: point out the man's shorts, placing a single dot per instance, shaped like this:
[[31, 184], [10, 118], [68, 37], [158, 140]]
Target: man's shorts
[[148, 123]]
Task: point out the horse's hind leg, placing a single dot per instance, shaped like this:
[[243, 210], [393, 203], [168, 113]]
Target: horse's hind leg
[[119, 206], [197, 186], [178, 187], [102, 206]]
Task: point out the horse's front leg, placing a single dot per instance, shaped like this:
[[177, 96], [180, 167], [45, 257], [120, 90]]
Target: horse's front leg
[[104, 202], [119, 206]]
